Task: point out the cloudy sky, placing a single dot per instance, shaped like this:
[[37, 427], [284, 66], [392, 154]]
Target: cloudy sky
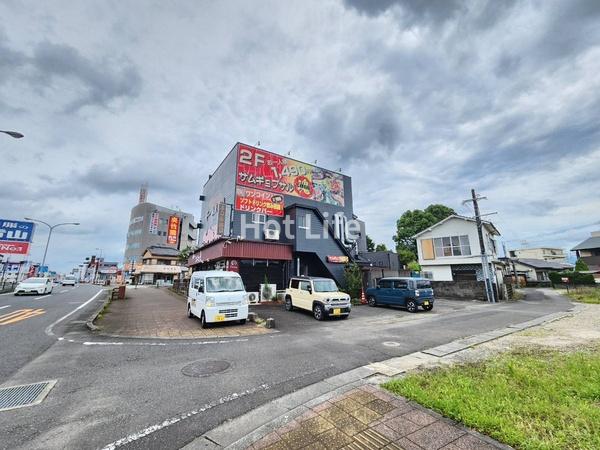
[[418, 101]]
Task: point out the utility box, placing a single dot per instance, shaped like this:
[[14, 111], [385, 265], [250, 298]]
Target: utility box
[[122, 292]]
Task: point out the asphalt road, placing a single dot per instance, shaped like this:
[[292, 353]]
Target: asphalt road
[[133, 394]]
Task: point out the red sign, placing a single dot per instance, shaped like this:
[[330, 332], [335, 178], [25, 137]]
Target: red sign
[[173, 230], [14, 248], [256, 201], [232, 265], [336, 259], [274, 173]]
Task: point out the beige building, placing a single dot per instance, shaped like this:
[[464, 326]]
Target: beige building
[[159, 264], [540, 253]]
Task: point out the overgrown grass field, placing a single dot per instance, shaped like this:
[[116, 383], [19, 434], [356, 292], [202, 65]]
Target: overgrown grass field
[[526, 399], [586, 295]]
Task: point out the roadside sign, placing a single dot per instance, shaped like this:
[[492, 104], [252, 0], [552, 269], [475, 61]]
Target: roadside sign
[[15, 236], [564, 279], [43, 269]]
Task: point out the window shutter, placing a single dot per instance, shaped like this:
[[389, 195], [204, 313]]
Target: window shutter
[[427, 248]]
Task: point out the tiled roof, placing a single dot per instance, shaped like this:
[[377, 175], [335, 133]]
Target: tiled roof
[[543, 264], [592, 242], [158, 250]]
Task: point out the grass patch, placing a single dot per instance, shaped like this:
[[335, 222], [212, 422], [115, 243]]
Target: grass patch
[[527, 399], [585, 295]]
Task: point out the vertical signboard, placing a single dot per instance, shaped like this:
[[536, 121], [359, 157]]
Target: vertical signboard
[[173, 230], [15, 237], [154, 219]]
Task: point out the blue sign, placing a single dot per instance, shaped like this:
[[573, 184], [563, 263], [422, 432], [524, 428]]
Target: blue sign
[[43, 269], [16, 231]]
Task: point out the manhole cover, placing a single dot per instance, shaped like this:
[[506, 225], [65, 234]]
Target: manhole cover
[[24, 395], [205, 368]]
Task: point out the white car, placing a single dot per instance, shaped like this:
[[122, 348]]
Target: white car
[[69, 280], [217, 296], [35, 285]]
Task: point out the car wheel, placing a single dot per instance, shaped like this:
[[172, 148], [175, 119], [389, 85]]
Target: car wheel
[[318, 312], [428, 307], [372, 301], [203, 322], [190, 314], [288, 304], [242, 321], [411, 306]]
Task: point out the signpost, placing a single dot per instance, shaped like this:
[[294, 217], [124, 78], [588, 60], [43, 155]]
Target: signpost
[[15, 236]]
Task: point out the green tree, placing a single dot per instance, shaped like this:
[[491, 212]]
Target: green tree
[[581, 266], [353, 278], [370, 244], [414, 266], [381, 248], [412, 222], [185, 254]]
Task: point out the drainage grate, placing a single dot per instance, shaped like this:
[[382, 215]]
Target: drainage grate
[[24, 395]]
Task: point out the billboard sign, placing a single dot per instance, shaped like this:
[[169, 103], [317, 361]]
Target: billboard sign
[[335, 259], [154, 219], [15, 236], [173, 230], [257, 201], [273, 173]]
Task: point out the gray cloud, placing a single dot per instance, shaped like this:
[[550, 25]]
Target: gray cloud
[[414, 10], [104, 81]]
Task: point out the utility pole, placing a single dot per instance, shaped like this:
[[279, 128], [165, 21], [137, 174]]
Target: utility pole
[[511, 264], [484, 259]]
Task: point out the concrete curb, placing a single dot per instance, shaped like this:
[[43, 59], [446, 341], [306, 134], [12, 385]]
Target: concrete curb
[[243, 431], [90, 322]]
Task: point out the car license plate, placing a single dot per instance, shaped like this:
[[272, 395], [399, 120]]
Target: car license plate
[[219, 318], [337, 311], [426, 303]]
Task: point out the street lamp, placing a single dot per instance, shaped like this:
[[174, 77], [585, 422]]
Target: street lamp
[[14, 134], [51, 228]]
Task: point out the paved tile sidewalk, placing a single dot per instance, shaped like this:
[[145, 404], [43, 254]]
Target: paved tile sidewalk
[[369, 418], [159, 313]]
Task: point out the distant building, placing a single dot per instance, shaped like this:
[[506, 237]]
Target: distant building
[[589, 252], [154, 225], [159, 263], [543, 253], [534, 269], [381, 264]]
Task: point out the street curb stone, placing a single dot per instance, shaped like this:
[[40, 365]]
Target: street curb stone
[[242, 432], [90, 322]]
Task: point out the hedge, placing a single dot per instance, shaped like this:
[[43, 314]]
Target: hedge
[[575, 278]]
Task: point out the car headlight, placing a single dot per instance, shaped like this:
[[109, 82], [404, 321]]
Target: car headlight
[[210, 301], [245, 301]]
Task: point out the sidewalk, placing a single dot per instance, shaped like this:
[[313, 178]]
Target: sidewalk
[[159, 313], [350, 410]]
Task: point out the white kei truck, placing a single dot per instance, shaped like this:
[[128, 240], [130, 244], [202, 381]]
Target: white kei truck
[[217, 296]]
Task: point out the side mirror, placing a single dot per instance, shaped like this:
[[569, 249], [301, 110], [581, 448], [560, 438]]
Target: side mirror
[[200, 288], [310, 289]]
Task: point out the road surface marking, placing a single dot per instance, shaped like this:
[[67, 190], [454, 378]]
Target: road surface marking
[[7, 306], [63, 291], [49, 331], [7, 293], [43, 296], [20, 314]]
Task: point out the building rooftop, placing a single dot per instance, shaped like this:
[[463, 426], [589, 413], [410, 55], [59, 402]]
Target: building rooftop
[[543, 264], [159, 250], [589, 243], [486, 224]]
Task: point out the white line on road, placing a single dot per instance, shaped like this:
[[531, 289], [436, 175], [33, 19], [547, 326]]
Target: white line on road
[[7, 306], [173, 420], [63, 291], [6, 293], [49, 331], [43, 296]]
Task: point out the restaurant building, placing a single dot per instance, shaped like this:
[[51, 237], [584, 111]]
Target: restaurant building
[[270, 217]]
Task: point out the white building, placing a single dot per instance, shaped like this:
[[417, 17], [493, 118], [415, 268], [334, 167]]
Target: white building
[[544, 253], [450, 251]]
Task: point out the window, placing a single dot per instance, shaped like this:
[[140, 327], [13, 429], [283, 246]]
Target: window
[[423, 284], [452, 246], [304, 285], [400, 284], [195, 283], [325, 286], [259, 218], [303, 222], [295, 284], [224, 284], [385, 284]]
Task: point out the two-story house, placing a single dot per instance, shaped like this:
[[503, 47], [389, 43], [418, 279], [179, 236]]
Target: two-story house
[[589, 252], [450, 251], [160, 264]]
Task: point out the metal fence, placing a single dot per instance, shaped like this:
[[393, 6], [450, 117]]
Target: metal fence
[[181, 286]]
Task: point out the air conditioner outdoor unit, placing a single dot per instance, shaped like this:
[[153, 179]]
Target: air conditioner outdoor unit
[[271, 234], [253, 297]]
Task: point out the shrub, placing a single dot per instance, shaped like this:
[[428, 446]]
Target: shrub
[[353, 278], [575, 278]]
